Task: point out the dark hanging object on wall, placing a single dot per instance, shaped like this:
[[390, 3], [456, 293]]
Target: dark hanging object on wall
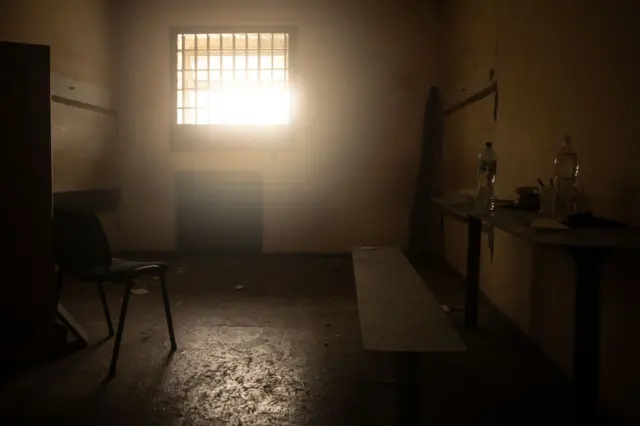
[[429, 180]]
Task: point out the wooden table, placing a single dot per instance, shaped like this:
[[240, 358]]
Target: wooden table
[[589, 247]]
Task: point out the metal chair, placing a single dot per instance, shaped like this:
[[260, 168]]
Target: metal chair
[[82, 251]]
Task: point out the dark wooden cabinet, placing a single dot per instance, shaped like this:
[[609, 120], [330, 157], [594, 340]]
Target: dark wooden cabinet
[[27, 308]]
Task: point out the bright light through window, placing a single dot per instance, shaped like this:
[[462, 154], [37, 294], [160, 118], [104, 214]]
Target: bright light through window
[[233, 79]]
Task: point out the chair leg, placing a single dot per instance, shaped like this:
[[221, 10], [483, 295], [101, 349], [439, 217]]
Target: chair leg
[[123, 314], [105, 308], [167, 311]]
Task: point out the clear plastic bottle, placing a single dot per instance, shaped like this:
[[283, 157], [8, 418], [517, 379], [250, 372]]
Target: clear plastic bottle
[[486, 171], [565, 180]]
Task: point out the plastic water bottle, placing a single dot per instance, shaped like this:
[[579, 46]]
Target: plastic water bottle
[[486, 171], [565, 180]]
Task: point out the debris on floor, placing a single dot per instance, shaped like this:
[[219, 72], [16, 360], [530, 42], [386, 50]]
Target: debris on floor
[[139, 291], [180, 271], [238, 287], [445, 308]]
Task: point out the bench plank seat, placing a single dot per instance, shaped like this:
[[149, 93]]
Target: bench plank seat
[[398, 312]]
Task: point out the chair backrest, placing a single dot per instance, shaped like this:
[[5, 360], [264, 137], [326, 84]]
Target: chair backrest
[[79, 241]]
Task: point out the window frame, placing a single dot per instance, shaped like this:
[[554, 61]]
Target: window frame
[[206, 136]]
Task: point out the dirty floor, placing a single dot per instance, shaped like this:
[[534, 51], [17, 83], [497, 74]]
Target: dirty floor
[[274, 340]]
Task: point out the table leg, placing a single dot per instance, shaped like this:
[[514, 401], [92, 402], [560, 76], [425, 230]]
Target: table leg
[[408, 374], [474, 239], [586, 353]]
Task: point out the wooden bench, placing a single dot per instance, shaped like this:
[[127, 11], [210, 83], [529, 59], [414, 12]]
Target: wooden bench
[[398, 313]]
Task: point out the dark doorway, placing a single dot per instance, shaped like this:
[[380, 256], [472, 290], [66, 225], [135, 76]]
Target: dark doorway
[[219, 212]]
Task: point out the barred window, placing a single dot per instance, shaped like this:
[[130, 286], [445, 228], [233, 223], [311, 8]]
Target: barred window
[[233, 78]]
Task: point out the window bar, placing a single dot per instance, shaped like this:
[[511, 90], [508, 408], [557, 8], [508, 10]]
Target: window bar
[[286, 60], [272, 67], [233, 63], [195, 80], [184, 81], [259, 58], [208, 79], [221, 60], [181, 69], [246, 58], [176, 88]]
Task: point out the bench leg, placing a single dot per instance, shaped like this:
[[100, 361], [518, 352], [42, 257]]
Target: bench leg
[[408, 403]]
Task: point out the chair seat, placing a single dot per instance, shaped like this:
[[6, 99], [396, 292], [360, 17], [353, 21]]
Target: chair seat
[[120, 271]]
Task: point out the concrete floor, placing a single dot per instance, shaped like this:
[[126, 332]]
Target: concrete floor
[[283, 350]]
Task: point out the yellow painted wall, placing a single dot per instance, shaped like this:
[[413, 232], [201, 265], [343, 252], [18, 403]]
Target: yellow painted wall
[[77, 31], [563, 67], [347, 180], [84, 142]]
